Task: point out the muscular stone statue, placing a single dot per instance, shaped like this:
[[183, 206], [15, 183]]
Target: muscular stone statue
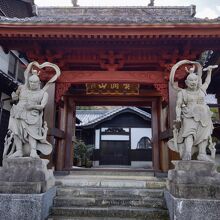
[[27, 131], [193, 126]]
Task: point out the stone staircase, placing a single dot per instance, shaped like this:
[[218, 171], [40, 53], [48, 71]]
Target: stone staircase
[[109, 196]]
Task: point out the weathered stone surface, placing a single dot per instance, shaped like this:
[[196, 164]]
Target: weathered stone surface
[[25, 175], [194, 179], [114, 201], [123, 212], [91, 218], [117, 181], [109, 192], [173, 11], [26, 206], [193, 209], [69, 201]]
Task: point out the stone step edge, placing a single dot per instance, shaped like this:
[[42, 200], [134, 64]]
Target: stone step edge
[[110, 198], [111, 192], [122, 212], [103, 202], [56, 217], [113, 184], [107, 188], [111, 208], [111, 177], [90, 218], [159, 203]]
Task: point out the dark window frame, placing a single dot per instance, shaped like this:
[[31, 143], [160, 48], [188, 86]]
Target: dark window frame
[[15, 67], [12, 67]]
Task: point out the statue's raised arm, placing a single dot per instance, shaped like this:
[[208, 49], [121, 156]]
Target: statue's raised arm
[[209, 69]]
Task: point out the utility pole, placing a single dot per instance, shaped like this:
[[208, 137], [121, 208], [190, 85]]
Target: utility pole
[[151, 3], [74, 2]]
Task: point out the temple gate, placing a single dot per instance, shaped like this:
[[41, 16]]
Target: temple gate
[[140, 53]]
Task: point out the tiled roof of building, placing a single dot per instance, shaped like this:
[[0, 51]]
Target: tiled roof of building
[[112, 15], [92, 117], [19, 8], [85, 116]]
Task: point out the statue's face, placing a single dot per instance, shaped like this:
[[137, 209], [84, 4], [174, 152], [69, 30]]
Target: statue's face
[[192, 81], [34, 82]]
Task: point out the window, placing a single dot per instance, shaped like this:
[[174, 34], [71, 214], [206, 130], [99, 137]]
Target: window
[[16, 67], [12, 65], [144, 143], [20, 72]]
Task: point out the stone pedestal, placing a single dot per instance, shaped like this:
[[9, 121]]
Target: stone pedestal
[[193, 191], [26, 189], [25, 175], [192, 209], [194, 179], [26, 206]]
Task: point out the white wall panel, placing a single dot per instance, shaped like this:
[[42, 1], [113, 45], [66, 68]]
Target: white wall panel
[[115, 138], [97, 139]]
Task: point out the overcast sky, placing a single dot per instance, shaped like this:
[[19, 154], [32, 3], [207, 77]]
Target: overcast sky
[[205, 8]]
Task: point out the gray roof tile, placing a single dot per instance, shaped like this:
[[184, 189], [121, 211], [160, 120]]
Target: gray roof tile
[[91, 117], [112, 15]]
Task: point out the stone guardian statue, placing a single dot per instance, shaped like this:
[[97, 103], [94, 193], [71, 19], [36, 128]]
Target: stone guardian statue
[[27, 131], [193, 126]]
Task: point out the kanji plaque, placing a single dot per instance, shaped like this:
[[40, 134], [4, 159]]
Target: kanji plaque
[[112, 89]]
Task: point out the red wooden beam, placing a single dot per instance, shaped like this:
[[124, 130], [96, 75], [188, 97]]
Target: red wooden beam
[[82, 77], [15, 30]]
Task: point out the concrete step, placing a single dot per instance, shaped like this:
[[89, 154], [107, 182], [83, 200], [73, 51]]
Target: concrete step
[[119, 212], [91, 181], [96, 218], [112, 172], [109, 192], [108, 202], [119, 177]]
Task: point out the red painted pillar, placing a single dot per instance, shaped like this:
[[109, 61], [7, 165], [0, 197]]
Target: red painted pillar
[[69, 108], [60, 144], [155, 114]]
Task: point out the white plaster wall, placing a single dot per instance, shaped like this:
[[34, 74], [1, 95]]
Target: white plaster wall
[[115, 138], [142, 164], [4, 60], [97, 138], [137, 134], [95, 163]]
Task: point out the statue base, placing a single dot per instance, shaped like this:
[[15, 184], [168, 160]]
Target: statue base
[[194, 179], [25, 175], [26, 206], [193, 191], [192, 209]]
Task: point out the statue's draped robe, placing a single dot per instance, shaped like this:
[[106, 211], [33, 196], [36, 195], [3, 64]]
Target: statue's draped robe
[[195, 120], [24, 123], [196, 117]]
